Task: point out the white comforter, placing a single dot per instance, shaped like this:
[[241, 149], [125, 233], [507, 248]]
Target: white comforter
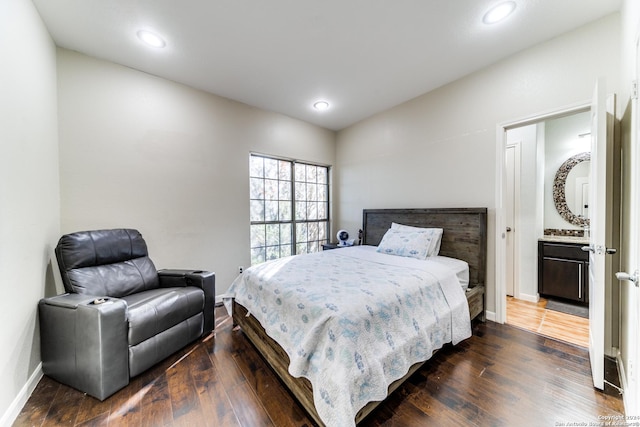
[[353, 320]]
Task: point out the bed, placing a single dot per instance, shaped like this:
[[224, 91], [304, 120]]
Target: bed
[[356, 278]]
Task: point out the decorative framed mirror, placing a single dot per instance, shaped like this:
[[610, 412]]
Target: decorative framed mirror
[[573, 175]]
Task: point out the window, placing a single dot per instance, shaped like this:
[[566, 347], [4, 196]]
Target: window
[[289, 207]]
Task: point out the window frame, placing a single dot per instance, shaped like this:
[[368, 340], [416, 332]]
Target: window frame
[[293, 209]]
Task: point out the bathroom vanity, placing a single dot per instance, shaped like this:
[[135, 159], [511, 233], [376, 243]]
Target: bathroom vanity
[[563, 268]]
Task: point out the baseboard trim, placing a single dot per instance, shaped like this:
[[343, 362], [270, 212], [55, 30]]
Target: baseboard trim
[[630, 408], [529, 298], [490, 315], [622, 377], [16, 406]]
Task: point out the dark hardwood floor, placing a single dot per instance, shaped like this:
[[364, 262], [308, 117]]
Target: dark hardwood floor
[[502, 376]]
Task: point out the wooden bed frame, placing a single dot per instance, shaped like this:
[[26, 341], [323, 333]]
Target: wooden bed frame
[[464, 237]]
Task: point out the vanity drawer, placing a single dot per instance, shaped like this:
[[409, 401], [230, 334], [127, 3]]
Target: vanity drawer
[[568, 251]]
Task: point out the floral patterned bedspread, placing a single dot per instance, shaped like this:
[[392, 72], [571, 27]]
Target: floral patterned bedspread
[[353, 320]]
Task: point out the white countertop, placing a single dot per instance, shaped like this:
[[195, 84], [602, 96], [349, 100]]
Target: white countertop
[[565, 239]]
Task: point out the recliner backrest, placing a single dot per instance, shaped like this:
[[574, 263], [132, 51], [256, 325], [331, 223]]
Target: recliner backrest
[[105, 263]]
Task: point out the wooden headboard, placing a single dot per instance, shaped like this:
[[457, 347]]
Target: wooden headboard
[[464, 236]]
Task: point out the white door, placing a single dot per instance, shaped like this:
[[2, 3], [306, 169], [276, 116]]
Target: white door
[[629, 280], [632, 394], [601, 146], [630, 293], [512, 156]]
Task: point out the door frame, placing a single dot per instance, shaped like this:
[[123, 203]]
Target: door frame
[[517, 157], [500, 314]]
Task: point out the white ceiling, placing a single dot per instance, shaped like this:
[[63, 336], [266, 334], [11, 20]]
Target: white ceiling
[[362, 56]]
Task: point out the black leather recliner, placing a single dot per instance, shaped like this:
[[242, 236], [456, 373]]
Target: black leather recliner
[[119, 316]]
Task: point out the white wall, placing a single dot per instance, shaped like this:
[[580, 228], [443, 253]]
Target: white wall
[[630, 30], [143, 152], [439, 150], [29, 194]]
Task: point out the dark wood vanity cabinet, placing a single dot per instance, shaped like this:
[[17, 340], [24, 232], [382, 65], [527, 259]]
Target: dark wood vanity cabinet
[[563, 271]]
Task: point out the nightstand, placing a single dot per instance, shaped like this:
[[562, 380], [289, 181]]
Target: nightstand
[[329, 246]]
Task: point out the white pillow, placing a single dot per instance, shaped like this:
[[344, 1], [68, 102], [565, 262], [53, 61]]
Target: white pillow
[[413, 244], [435, 233]]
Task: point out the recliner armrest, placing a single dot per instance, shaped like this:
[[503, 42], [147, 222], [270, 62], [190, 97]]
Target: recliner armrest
[[170, 278], [70, 300], [84, 343], [205, 280]]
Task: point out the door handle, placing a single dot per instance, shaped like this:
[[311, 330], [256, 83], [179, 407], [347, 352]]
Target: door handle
[[629, 277], [599, 250], [508, 229]]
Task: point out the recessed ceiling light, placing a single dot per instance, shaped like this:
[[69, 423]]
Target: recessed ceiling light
[[321, 105], [151, 39], [499, 12]]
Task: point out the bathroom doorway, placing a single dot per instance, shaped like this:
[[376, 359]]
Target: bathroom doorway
[[535, 153]]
